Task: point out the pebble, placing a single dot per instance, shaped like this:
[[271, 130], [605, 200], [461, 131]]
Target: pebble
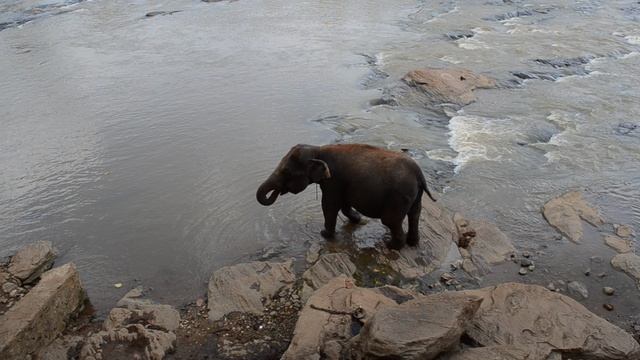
[[8, 287], [587, 272], [13, 293], [200, 302], [608, 290], [117, 285], [578, 289], [609, 307], [531, 267], [552, 287], [526, 254], [523, 271], [526, 262]]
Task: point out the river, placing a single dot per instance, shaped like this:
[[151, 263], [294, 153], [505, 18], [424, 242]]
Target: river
[[136, 143]]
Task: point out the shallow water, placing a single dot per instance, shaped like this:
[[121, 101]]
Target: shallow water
[[136, 143]]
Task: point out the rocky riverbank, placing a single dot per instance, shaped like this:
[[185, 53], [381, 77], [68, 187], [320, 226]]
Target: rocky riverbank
[[341, 302]]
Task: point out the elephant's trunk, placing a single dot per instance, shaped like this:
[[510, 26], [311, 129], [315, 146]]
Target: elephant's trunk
[[264, 189]]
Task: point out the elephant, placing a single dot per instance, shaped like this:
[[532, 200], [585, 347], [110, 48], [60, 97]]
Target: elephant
[[355, 179]]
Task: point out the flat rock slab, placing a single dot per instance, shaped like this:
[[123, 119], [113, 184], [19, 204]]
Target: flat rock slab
[[542, 321], [326, 268], [41, 315], [492, 353], [243, 287], [326, 320], [488, 245], [565, 213], [629, 263], [622, 246], [31, 261], [453, 86], [418, 329]]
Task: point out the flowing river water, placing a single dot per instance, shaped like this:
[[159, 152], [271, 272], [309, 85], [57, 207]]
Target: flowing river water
[[135, 144]]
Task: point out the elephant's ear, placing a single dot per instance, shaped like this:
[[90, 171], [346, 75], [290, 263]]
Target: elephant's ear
[[318, 170]]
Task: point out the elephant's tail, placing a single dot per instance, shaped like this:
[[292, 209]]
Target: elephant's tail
[[423, 184]]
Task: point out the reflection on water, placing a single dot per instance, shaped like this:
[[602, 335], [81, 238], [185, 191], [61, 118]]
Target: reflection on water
[[136, 143]]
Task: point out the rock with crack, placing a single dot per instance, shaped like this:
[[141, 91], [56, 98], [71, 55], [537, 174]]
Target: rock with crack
[[42, 314], [327, 319], [505, 352], [243, 287], [622, 246], [130, 342], [453, 86], [135, 308], [565, 213], [629, 263], [418, 329], [542, 321], [326, 268], [31, 261]]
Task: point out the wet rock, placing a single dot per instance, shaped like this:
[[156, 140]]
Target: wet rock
[[526, 262], [578, 290], [523, 271], [132, 342], [163, 13], [622, 246], [417, 329], [565, 213], [629, 263], [608, 307], [566, 62], [326, 321], [541, 321], [31, 261], [608, 290], [42, 314], [624, 231], [626, 128], [327, 267], [313, 253], [461, 34], [519, 13], [453, 86], [504, 352], [242, 287]]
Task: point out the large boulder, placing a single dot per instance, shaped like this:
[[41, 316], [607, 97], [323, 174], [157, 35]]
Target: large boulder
[[326, 321], [542, 321], [492, 353], [31, 261], [41, 315], [453, 86], [629, 263], [418, 329], [326, 268], [565, 213], [243, 287]]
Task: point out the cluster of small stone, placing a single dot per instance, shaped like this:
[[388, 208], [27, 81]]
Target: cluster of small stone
[[11, 291]]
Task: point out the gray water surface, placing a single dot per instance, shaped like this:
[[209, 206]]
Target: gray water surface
[[136, 143]]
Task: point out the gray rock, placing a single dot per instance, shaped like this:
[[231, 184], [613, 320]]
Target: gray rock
[[417, 329], [565, 213], [608, 290], [60, 348], [453, 86], [541, 321], [242, 287], [503, 352], [578, 290], [622, 246], [629, 263], [325, 321], [526, 262], [490, 246], [31, 261], [42, 314], [523, 271], [8, 287], [140, 342]]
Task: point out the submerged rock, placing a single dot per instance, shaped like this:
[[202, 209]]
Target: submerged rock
[[448, 85], [31, 261], [620, 245], [42, 314], [624, 231], [565, 213], [578, 290], [629, 263], [417, 329], [243, 287], [540, 321]]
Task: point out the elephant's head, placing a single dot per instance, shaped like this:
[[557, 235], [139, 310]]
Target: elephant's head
[[299, 168]]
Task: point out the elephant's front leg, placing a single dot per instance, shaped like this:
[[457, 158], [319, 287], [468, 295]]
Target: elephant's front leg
[[330, 208]]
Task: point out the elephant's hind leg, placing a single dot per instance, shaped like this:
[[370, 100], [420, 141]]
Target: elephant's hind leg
[[413, 234], [351, 214], [393, 220]]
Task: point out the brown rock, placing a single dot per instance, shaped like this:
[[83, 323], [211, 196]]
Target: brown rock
[[624, 231], [419, 329], [42, 314], [505, 352], [534, 318], [620, 245], [564, 213], [31, 261], [242, 287], [449, 85], [629, 263]]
